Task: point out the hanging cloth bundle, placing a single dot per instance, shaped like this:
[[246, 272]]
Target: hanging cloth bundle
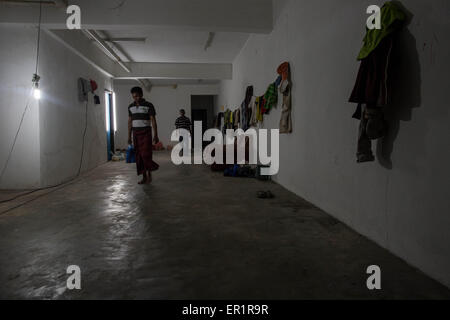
[[371, 88], [285, 90], [271, 98], [246, 108]]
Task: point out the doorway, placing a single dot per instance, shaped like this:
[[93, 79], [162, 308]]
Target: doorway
[[202, 110]]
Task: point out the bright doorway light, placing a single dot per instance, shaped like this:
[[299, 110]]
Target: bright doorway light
[[107, 111], [114, 111]]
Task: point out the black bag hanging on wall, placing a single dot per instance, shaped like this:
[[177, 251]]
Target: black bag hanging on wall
[[84, 87]]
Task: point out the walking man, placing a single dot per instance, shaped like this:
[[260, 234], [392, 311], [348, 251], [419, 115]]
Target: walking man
[[141, 121]]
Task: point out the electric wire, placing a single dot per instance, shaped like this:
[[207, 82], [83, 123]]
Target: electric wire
[[38, 36], [63, 184], [15, 139], [84, 139], [28, 101], [58, 186]]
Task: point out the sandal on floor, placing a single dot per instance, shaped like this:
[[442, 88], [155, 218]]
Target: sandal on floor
[[265, 195]]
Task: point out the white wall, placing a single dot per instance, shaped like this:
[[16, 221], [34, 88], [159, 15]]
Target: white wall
[[49, 145], [167, 102], [403, 203], [17, 65], [63, 117]]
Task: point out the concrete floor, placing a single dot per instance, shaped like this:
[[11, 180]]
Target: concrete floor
[[193, 234]]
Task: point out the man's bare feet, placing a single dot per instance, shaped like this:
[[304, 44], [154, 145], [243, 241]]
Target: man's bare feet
[[144, 180]]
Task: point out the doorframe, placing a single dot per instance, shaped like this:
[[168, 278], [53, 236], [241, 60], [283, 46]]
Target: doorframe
[[110, 122], [209, 113]]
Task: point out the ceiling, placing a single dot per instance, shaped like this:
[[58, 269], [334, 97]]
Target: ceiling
[[178, 45], [170, 82], [182, 41]]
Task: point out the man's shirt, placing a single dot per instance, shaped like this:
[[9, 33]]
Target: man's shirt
[[183, 122], [140, 114]]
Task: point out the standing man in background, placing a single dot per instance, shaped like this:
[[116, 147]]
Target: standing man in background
[[141, 121], [183, 122]]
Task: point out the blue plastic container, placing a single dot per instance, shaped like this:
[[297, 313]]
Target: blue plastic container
[[131, 156]]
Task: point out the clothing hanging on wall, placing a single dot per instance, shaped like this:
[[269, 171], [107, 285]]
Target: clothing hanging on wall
[[228, 120], [284, 71], [252, 109], [392, 19], [285, 90], [252, 112], [372, 127], [286, 118], [237, 119], [246, 109], [371, 95], [271, 98], [219, 121], [259, 105], [371, 88]]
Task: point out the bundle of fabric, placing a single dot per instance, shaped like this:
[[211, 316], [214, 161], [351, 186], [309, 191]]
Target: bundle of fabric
[[158, 147], [392, 19], [238, 171], [285, 89], [236, 118], [228, 120], [222, 167], [246, 109], [270, 98], [371, 88], [257, 107], [253, 106], [219, 121], [257, 114]]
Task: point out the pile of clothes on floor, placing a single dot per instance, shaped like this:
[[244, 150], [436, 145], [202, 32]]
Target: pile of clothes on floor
[[240, 171], [117, 156]]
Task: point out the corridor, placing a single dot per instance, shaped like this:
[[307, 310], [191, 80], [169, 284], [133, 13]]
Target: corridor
[[192, 234], [320, 131]]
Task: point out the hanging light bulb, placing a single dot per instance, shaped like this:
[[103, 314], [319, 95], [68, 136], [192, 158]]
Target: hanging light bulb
[[36, 90], [37, 93], [36, 77]]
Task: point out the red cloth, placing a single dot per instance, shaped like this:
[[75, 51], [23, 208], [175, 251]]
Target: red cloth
[[144, 153], [263, 103], [284, 70], [158, 147], [94, 85]]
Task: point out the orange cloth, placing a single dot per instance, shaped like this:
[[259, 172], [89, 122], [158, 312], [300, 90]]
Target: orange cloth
[[283, 70]]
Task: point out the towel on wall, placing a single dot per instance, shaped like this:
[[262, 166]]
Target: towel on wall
[[271, 98]]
